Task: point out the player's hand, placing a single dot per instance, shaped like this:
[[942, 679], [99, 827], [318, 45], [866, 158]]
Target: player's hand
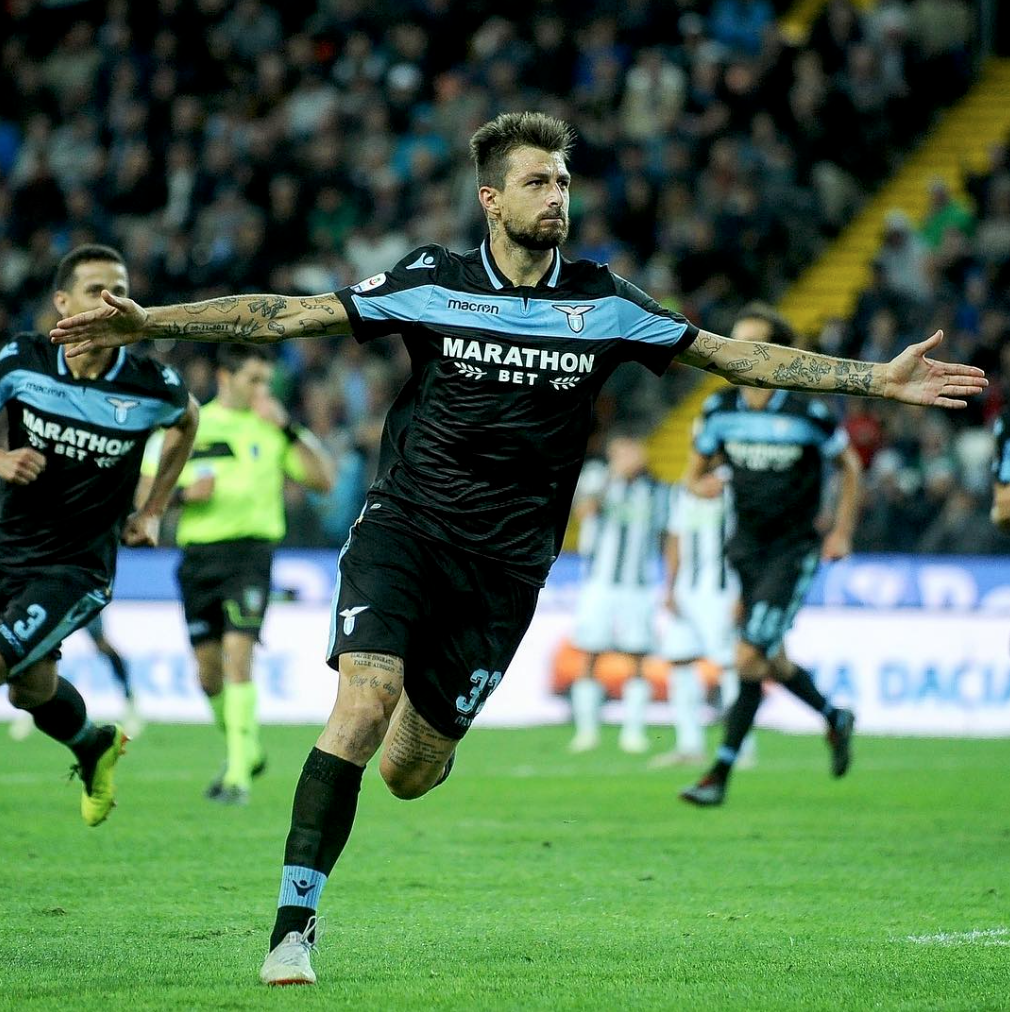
[[915, 379], [708, 486], [836, 546], [271, 410], [141, 530], [200, 491], [22, 466], [120, 321]]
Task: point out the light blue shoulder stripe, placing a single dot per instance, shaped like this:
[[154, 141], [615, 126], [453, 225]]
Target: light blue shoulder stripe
[[129, 412], [611, 318]]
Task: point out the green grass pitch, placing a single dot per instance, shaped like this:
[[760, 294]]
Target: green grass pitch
[[531, 880]]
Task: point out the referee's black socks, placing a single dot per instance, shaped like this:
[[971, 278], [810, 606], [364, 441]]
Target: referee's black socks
[[322, 814], [65, 718]]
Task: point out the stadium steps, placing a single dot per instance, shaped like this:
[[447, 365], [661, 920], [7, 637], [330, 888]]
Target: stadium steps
[[796, 23], [961, 139], [830, 286], [669, 443]]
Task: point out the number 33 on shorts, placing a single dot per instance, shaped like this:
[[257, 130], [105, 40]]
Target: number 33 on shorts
[[484, 683]]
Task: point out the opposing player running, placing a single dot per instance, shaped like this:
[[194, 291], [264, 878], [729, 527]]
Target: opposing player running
[[76, 433], [510, 344]]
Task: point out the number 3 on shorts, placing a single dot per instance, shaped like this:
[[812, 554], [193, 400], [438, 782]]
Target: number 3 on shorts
[[484, 683]]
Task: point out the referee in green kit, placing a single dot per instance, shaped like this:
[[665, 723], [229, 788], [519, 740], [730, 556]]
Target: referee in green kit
[[232, 498]]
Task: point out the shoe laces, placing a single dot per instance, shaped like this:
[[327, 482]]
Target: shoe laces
[[314, 930]]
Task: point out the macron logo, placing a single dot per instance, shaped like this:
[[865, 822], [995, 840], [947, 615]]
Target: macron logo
[[473, 307], [424, 262]]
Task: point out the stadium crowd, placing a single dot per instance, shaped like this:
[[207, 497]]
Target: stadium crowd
[[234, 145]]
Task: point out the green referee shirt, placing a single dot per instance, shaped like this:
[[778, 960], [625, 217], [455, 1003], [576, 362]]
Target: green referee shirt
[[249, 459]]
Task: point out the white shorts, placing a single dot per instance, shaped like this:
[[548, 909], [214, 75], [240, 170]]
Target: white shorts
[[615, 618], [704, 627]]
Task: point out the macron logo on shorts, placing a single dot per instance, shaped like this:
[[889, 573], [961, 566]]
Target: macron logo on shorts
[[350, 615]]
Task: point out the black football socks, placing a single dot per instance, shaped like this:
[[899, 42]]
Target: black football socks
[[326, 799]]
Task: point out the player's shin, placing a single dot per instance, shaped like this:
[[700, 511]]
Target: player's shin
[[64, 718], [322, 814], [739, 721]]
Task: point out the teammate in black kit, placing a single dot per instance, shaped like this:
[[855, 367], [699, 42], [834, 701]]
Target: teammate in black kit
[[76, 429], [776, 444], [510, 343], [1000, 514]]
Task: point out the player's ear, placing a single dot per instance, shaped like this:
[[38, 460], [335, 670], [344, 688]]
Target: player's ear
[[60, 302], [488, 197]]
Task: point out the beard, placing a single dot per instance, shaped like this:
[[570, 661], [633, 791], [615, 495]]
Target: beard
[[535, 236]]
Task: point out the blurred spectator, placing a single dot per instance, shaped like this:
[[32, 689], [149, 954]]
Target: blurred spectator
[[243, 145]]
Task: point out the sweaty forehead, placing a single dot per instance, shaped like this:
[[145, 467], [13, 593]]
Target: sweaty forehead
[[526, 160], [106, 273]]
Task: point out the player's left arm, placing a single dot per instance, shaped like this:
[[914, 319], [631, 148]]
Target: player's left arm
[[911, 377], [1000, 513], [838, 543], [142, 527]]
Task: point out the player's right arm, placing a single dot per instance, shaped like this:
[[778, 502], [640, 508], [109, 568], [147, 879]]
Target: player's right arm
[[142, 527], [1000, 514], [255, 319]]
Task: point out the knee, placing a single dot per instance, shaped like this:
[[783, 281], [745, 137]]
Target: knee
[[25, 697], [405, 784], [751, 663]]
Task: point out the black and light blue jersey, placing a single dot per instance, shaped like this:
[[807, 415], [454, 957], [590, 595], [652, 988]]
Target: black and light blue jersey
[[777, 455], [483, 446], [92, 434], [1001, 457]]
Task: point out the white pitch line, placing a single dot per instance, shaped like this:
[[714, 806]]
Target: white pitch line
[[985, 936]]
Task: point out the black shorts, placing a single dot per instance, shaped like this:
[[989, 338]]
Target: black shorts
[[453, 618], [774, 579], [225, 587], [39, 610]]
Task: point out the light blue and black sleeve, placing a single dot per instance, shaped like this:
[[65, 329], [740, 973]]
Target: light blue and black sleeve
[[1001, 457], [650, 334], [172, 392], [388, 302], [708, 435], [833, 438]]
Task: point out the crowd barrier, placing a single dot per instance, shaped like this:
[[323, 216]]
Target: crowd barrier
[[914, 645]]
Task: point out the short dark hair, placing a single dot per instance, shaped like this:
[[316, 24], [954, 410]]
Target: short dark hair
[[231, 357], [83, 254], [781, 330], [492, 144]]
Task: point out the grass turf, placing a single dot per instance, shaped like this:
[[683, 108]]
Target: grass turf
[[531, 880]]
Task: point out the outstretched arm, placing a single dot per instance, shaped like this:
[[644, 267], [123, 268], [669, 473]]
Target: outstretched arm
[[256, 319], [911, 377]]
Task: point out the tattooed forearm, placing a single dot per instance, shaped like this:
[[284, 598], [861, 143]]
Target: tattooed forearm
[[768, 365], [257, 319]]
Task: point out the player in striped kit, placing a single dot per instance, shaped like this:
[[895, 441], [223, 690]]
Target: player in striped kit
[[623, 510], [702, 597]]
